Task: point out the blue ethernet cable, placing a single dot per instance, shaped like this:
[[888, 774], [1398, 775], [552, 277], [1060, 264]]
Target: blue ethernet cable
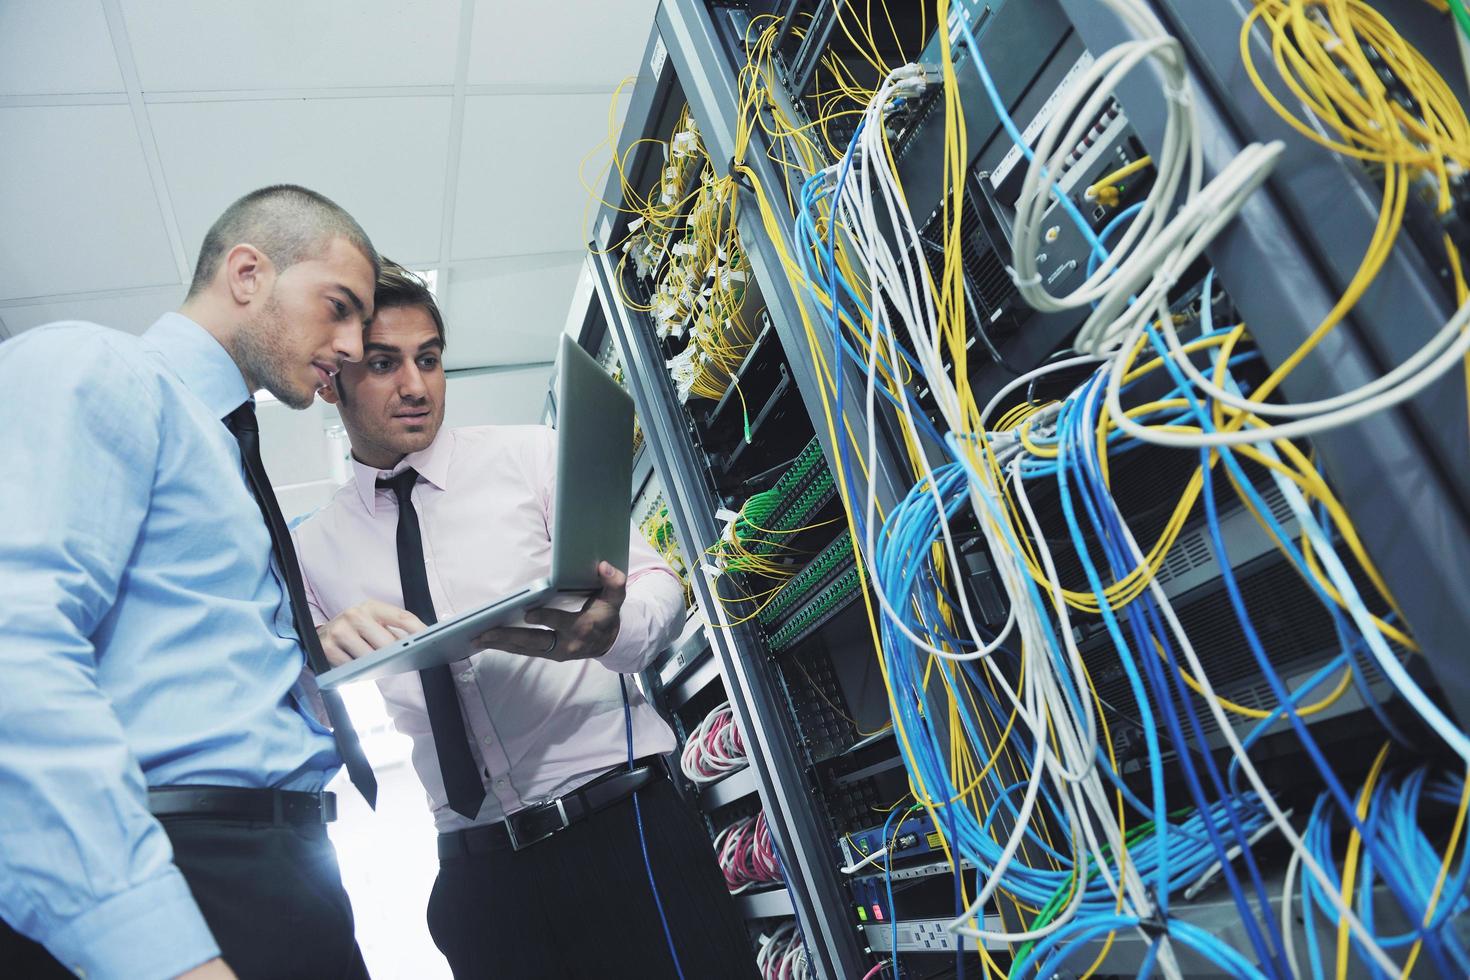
[[1394, 806], [1336, 791], [1080, 435], [658, 901], [1155, 672], [1017, 138], [888, 887], [1392, 875], [1110, 621], [1119, 220], [1042, 961], [896, 527]]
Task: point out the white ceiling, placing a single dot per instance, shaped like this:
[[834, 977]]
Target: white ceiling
[[452, 129]]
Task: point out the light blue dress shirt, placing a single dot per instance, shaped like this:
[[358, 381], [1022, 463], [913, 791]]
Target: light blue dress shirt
[[145, 636]]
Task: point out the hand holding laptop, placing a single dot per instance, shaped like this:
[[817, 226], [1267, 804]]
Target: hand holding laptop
[[365, 627], [580, 635], [564, 635]]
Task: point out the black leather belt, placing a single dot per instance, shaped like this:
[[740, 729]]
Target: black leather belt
[[536, 823], [274, 806]]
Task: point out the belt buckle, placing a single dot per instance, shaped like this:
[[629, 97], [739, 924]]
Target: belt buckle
[[516, 844]]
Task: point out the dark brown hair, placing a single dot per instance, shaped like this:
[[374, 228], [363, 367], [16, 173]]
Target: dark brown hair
[[398, 287]]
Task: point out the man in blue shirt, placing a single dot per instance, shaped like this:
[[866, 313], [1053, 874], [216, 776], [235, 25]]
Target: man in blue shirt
[[162, 746]]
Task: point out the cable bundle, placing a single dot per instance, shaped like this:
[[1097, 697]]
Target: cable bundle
[[1026, 744], [1178, 217], [746, 855], [682, 243], [1393, 807], [714, 748], [782, 955], [650, 232], [1008, 743]]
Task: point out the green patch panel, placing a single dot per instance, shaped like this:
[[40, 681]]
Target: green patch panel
[[817, 573], [822, 607]]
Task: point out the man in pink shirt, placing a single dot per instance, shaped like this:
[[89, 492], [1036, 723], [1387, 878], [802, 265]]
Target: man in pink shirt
[[539, 757]]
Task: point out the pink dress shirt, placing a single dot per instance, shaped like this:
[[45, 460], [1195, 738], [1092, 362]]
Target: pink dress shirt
[[484, 500]]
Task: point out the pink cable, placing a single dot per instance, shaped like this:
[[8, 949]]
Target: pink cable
[[746, 853], [874, 971]]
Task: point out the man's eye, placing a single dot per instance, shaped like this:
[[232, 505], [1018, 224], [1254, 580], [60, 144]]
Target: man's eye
[[339, 308], [428, 363], [380, 365]]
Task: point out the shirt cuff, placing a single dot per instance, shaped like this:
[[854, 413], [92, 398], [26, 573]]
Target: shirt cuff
[[153, 930], [626, 654], [646, 623]]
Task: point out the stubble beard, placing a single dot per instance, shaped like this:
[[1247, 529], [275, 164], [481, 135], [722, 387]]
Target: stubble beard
[[264, 356]]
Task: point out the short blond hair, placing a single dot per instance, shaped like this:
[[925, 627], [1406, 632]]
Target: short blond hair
[[287, 222]]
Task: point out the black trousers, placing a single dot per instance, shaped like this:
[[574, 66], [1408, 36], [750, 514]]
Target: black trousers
[[577, 905], [272, 896]]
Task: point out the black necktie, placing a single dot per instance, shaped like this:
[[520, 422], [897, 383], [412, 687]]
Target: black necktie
[[462, 783], [242, 423]]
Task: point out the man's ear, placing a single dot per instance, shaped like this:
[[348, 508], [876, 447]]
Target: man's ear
[[247, 273]]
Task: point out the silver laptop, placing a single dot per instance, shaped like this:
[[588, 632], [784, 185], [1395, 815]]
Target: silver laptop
[[594, 470]]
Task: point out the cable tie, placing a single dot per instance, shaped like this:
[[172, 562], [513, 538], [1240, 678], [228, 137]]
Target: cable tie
[[1156, 924], [739, 179], [1178, 94], [1023, 283]]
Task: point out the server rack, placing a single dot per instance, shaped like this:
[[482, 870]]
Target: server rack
[[1409, 489]]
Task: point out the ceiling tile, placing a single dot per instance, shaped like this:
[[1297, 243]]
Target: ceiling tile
[[133, 311], [595, 44], [508, 311], [79, 209], [56, 46], [519, 196], [214, 152], [283, 44]]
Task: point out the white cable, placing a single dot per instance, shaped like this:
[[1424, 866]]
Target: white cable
[[1153, 251], [912, 297], [1288, 920], [1403, 372], [858, 866], [772, 948], [1447, 359], [702, 763], [1363, 620], [1158, 238], [898, 215]]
